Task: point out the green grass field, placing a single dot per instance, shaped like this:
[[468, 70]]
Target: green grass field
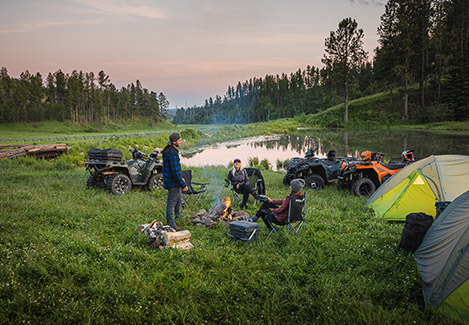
[[68, 256]]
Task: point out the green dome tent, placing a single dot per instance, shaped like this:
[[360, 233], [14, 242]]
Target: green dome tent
[[443, 261], [418, 186]]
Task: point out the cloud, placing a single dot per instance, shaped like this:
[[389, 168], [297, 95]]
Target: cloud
[[137, 8], [31, 27], [368, 2], [265, 39], [223, 67]]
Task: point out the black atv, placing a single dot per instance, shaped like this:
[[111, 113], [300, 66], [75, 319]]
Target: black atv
[[109, 172], [315, 171]]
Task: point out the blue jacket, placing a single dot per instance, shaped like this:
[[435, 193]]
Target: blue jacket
[[171, 168]]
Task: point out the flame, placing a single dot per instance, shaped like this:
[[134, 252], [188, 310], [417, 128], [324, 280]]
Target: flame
[[226, 212]]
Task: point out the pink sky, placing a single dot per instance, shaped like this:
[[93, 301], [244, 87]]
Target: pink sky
[[188, 49]]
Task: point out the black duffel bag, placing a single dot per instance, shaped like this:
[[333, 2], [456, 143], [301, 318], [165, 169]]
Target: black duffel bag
[[416, 225]]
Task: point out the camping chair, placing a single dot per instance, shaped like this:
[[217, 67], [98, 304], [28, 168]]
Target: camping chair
[[236, 196], [197, 193], [296, 215], [256, 181]]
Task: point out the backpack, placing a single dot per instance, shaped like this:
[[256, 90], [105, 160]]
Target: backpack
[[416, 225]]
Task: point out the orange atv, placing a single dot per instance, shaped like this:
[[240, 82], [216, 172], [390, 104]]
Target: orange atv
[[364, 176]]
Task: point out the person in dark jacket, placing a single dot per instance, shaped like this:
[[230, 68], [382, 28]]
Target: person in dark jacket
[[276, 211], [240, 180], [172, 180]]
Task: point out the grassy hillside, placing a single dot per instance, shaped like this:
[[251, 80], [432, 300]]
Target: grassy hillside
[[67, 255], [377, 112]]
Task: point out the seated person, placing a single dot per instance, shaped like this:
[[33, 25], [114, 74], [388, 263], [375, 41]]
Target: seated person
[[240, 181], [270, 210]]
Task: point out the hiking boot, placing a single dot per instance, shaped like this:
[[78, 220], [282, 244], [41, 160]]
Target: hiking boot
[[178, 229], [253, 219]]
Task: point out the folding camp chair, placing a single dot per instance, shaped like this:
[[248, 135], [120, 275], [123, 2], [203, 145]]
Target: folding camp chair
[[256, 181], [236, 196], [296, 215], [197, 193]]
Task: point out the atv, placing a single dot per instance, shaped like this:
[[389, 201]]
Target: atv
[[315, 171], [109, 172], [364, 176]]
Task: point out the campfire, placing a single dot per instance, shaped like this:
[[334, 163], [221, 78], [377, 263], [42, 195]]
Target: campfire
[[222, 212], [228, 209]]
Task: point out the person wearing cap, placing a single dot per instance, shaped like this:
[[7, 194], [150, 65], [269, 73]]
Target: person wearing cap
[[276, 211], [238, 177], [172, 179]]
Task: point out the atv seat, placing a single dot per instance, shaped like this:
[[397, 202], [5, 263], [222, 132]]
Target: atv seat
[[393, 166], [329, 162]]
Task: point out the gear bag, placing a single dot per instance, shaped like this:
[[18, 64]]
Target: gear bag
[[416, 225]]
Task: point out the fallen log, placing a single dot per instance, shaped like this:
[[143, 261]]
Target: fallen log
[[38, 151]]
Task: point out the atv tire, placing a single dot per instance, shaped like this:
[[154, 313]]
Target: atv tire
[[119, 184], [155, 182], [363, 187], [91, 181], [287, 179], [314, 182]]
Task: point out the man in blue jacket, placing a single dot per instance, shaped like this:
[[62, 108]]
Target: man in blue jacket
[[172, 180]]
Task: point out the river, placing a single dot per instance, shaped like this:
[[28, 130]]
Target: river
[[279, 148]]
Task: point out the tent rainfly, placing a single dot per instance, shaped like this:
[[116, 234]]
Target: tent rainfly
[[443, 261], [418, 186]]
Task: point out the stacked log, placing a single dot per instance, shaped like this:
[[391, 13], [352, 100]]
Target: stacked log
[[160, 237], [38, 151]]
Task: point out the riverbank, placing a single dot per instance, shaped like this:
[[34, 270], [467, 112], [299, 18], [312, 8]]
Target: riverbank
[[145, 138], [68, 256]]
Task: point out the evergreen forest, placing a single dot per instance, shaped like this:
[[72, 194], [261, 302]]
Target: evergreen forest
[[82, 98], [423, 48]]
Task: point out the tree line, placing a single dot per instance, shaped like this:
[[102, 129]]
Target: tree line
[[79, 97], [421, 42]]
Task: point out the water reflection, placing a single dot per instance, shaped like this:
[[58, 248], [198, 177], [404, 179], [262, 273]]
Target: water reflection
[[345, 143]]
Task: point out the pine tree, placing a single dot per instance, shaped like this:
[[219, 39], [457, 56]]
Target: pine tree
[[344, 53]]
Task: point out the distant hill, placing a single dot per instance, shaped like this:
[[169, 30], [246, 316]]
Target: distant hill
[[171, 113]]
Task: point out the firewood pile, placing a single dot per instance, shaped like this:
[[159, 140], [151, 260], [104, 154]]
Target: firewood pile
[[222, 212], [38, 151], [160, 237]]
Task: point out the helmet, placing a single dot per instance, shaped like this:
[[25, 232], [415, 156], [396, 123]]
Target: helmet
[[371, 156], [153, 155], [407, 155], [366, 155]]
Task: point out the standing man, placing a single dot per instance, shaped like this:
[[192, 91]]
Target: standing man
[[172, 180]]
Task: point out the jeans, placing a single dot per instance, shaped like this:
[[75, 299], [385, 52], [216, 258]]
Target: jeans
[[173, 202], [245, 190], [266, 215]]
